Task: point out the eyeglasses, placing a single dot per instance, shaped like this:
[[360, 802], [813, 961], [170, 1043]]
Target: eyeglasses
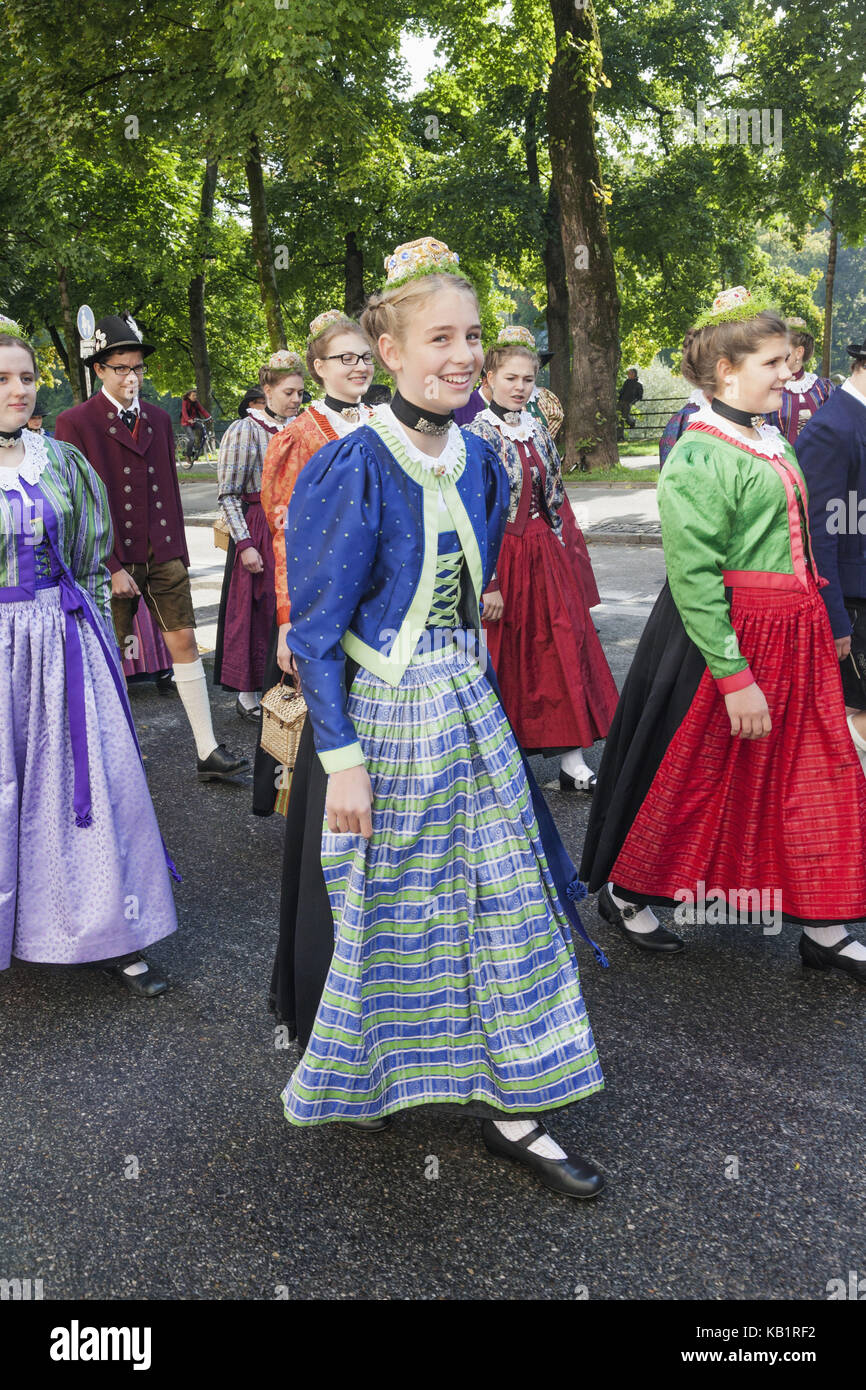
[[124, 371], [350, 359]]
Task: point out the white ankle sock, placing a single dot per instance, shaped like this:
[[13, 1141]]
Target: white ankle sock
[[249, 699], [191, 682], [828, 936], [545, 1146], [575, 765], [644, 921]]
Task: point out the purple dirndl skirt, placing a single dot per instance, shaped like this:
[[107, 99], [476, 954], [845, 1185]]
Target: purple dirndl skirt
[[71, 894]]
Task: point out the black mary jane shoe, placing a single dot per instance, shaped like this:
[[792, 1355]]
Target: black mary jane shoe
[[220, 764], [147, 984], [252, 716], [567, 783], [374, 1125], [659, 940], [817, 957], [572, 1176]]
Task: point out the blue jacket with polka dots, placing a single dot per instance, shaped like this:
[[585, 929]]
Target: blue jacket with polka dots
[[361, 548]]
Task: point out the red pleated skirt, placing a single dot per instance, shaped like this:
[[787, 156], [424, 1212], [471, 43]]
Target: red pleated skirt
[[576, 549], [784, 815], [556, 685]]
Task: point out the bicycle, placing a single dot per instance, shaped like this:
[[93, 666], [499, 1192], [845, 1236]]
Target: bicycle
[[195, 440]]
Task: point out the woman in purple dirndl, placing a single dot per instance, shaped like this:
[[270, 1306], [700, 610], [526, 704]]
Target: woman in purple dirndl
[[83, 869]]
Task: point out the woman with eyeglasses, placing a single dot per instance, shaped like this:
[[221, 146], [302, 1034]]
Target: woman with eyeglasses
[[339, 360]]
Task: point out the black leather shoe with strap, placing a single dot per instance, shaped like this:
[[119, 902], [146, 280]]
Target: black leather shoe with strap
[[571, 1176], [660, 940], [817, 957]]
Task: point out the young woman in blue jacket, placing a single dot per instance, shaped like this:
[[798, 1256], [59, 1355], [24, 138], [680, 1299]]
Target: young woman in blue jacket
[[453, 978]]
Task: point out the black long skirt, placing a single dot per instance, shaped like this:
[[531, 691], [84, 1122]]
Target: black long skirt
[[306, 940], [660, 686], [266, 768]]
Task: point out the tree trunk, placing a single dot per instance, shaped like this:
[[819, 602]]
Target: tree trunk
[[829, 282], [262, 248], [557, 304], [354, 271], [195, 288], [554, 261], [590, 429], [74, 369]]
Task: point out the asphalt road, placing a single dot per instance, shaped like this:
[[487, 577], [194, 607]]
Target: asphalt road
[[145, 1154]]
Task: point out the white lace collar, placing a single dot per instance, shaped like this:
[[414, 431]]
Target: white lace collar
[[339, 424], [800, 385], [523, 432], [34, 461], [770, 445], [266, 422], [451, 458]]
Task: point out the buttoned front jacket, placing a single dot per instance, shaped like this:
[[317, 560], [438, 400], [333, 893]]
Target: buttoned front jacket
[[361, 539], [140, 477]]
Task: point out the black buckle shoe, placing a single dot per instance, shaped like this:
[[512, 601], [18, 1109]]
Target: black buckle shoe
[[374, 1125], [147, 984], [817, 957], [252, 716], [220, 764], [571, 1176], [567, 783], [659, 940]]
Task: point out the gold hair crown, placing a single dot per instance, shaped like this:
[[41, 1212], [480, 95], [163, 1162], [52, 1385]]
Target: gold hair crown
[[514, 336], [421, 257], [324, 320]]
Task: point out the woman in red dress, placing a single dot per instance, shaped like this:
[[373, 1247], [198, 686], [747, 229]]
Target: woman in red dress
[[556, 685]]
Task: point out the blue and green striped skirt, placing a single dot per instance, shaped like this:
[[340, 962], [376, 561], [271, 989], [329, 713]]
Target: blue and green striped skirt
[[453, 977]]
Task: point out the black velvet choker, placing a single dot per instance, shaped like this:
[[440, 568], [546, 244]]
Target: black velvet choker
[[738, 417], [348, 409], [511, 417], [422, 420], [9, 438], [273, 414]]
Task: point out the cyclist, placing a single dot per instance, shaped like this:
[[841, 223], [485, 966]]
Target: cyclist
[[192, 418]]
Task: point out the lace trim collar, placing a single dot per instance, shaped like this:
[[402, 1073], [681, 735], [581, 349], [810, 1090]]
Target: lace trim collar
[[798, 386], [339, 424], [771, 445], [266, 423], [522, 432], [36, 459], [450, 462]]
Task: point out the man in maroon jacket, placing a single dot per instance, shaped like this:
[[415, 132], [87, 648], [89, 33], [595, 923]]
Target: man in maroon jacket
[[130, 443]]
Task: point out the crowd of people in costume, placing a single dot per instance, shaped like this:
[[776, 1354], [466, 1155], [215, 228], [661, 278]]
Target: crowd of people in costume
[[414, 566]]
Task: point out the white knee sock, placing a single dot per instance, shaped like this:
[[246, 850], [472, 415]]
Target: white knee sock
[[189, 677], [249, 699], [644, 921], [828, 936], [544, 1145]]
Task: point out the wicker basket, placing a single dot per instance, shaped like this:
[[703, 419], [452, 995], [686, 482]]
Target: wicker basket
[[283, 713], [221, 533]]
